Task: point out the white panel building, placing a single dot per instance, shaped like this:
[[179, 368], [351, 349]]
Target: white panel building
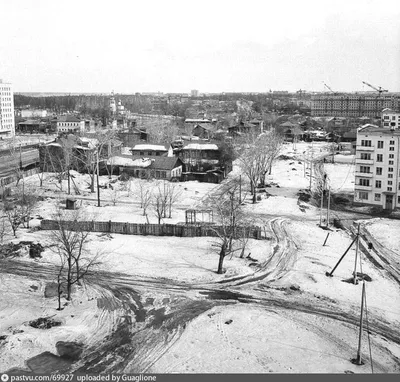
[[377, 177], [7, 123]]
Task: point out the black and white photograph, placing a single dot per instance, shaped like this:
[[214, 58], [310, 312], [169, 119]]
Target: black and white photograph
[[205, 190]]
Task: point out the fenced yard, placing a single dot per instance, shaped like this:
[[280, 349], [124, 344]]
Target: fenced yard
[[253, 232]]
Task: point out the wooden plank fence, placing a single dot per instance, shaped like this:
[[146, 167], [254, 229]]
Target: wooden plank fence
[[254, 232]]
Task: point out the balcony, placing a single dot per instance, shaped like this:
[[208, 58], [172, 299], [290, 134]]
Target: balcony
[[364, 161], [365, 148], [358, 187], [364, 174]]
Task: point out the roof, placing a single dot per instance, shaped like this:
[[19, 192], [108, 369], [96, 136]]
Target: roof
[[369, 128], [165, 163], [150, 147], [68, 118], [128, 161], [205, 127], [30, 122], [289, 124], [388, 110], [200, 146], [197, 120]]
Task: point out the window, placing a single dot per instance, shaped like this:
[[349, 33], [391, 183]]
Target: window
[[363, 195], [390, 169], [398, 199], [364, 169], [366, 156], [377, 197], [390, 182], [141, 153], [158, 174], [391, 156], [389, 188], [364, 182], [391, 148], [378, 184], [379, 158], [380, 144], [366, 143], [390, 175], [157, 153], [379, 171], [391, 143], [163, 174], [149, 153], [391, 162]]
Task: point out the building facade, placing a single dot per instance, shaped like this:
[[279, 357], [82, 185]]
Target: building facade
[[390, 119], [70, 124], [353, 104], [377, 177], [7, 122]]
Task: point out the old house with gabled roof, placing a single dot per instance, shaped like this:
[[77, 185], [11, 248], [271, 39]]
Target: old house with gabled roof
[[202, 161], [203, 130], [168, 168], [151, 150]]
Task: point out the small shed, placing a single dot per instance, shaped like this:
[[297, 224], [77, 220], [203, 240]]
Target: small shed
[[70, 204]]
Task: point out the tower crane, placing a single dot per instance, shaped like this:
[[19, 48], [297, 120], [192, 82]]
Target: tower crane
[[327, 86], [380, 89]]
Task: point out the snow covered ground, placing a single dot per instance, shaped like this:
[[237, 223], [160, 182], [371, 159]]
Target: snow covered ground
[[297, 320], [387, 232]]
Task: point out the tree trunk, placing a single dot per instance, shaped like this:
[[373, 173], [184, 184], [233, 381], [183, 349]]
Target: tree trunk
[[59, 292], [254, 197], [69, 183], [221, 259], [92, 182], [69, 280]]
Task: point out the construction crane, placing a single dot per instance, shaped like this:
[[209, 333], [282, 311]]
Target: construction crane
[[380, 89], [327, 87]]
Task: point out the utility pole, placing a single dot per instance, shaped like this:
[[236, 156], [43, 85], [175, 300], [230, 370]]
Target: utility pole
[[98, 185], [329, 204], [240, 189], [320, 210], [322, 201], [358, 360], [355, 261]]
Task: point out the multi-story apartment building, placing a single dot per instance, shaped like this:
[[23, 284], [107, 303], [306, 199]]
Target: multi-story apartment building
[[377, 177], [7, 123], [353, 104], [390, 119]]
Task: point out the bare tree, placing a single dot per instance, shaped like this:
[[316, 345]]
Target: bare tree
[[256, 154], [4, 228], [71, 241], [248, 158], [269, 148], [18, 211], [158, 202], [173, 193], [14, 215], [144, 193], [161, 130], [231, 221]]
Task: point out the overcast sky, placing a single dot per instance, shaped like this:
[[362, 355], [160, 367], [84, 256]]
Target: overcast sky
[[211, 45]]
